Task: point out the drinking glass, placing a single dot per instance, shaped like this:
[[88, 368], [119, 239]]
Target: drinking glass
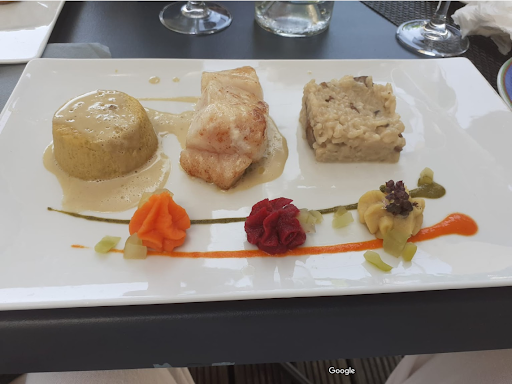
[[195, 17], [433, 37], [294, 18]]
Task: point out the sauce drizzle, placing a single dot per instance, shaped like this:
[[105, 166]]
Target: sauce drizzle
[[454, 224], [154, 79], [423, 191]]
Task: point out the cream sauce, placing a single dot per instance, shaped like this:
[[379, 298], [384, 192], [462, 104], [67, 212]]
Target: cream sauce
[[271, 166], [113, 195], [124, 192], [165, 123], [154, 79], [102, 115]]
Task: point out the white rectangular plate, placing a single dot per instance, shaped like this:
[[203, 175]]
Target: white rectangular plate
[[455, 123], [25, 27]]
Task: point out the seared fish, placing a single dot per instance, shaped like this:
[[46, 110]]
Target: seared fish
[[228, 130]]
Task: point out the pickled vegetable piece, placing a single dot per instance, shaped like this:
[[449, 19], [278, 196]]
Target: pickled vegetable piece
[[317, 215], [308, 220], [133, 248], [409, 251], [305, 221], [342, 218], [340, 211], [303, 215], [106, 244], [394, 242], [134, 239], [312, 216], [426, 177], [374, 258]]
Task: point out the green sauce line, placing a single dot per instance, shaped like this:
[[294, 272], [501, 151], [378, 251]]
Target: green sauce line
[[429, 191]]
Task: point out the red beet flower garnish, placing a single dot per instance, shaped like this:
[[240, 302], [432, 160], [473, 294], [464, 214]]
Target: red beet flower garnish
[[273, 226]]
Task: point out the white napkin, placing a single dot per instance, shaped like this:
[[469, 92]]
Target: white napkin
[[487, 18]]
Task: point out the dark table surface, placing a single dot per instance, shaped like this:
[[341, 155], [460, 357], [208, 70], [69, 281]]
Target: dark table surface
[[259, 330], [132, 29]]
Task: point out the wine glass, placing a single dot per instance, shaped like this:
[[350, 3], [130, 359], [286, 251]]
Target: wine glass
[[433, 37], [195, 17]]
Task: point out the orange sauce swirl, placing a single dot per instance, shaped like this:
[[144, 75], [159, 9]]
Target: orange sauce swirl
[[454, 224]]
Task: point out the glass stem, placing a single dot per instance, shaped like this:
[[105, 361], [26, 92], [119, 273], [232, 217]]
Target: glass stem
[[436, 27], [195, 9]]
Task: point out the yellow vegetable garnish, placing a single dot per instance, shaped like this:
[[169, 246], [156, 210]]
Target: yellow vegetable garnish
[[426, 177], [317, 215], [394, 242], [394, 208], [342, 218], [106, 244], [409, 251], [374, 258], [133, 249], [308, 220]]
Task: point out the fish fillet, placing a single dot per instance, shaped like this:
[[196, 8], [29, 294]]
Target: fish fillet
[[228, 130], [244, 78], [223, 170]]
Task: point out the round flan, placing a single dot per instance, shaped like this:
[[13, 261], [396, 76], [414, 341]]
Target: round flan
[[102, 135]]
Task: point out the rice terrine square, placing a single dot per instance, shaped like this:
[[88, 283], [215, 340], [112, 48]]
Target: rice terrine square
[[352, 120]]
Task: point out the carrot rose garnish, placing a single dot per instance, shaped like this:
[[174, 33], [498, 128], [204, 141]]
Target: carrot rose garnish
[[160, 223]]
